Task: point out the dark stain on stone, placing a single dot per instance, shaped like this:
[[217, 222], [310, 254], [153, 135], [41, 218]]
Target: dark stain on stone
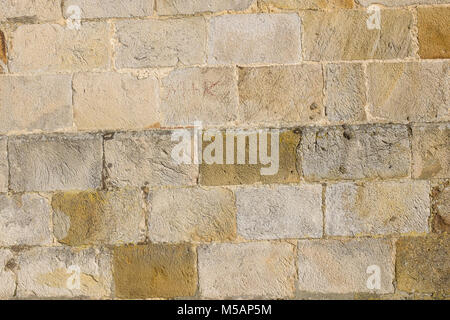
[[24, 20], [2, 48]]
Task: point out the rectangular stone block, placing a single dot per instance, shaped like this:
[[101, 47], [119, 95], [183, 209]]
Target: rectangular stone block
[[434, 32], [431, 151], [160, 43], [398, 3], [7, 276], [52, 47], [412, 91], [308, 4], [192, 214], [246, 270], [281, 94], [145, 159], [115, 101], [346, 266], [26, 10], [29, 103], [99, 217], [49, 163], [345, 92], [174, 7], [209, 95], [254, 38], [282, 171], [277, 212], [24, 220], [61, 272], [423, 264], [355, 152], [377, 208], [330, 35], [4, 169], [155, 271], [441, 207], [91, 9]]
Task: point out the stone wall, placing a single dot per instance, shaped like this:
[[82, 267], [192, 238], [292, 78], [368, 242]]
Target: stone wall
[[93, 206]]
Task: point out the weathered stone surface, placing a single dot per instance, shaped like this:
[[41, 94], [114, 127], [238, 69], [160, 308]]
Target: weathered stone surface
[[246, 270], [3, 53], [434, 32], [308, 4], [115, 101], [24, 220], [412, 91], [335, 266], [254, 38], [30, 103], [377, 208], [277, 212], [99, 217], [192, 214], [441, 207], [57, 272], [355, 152], [236, 174], [423, 264], [7, 276], [160, 43], [397, 3], [52, 47], [174, 7], [17, 10], [431, 151], [4, 170], [110, 8], [204, 94], [155, 271], [281, 94], [48, 163], [330, 35], [345, 92], [144, 159]]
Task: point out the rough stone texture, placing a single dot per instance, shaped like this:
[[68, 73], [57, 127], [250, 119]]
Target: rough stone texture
[[52, 272], [412, 91], [99, 217], [192, 214], [4, 170], [356, 152], [434, 32], [277, 212], [431, 151], [339, 266], [236, 174], [254, 38], [345, 92], [115, 101], [377, 208], [246, 270], [152, 43], [7, 276], [308, 4], [48, 163], [30, 10], [281, 94], [204, 94], [3, 52], [52, 47], [441, 207], [395, 3], [144, 159], [174, 7], [30, 103], [110, 8], [423, 264], [155, 271], [330, 35], [24, 220]]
